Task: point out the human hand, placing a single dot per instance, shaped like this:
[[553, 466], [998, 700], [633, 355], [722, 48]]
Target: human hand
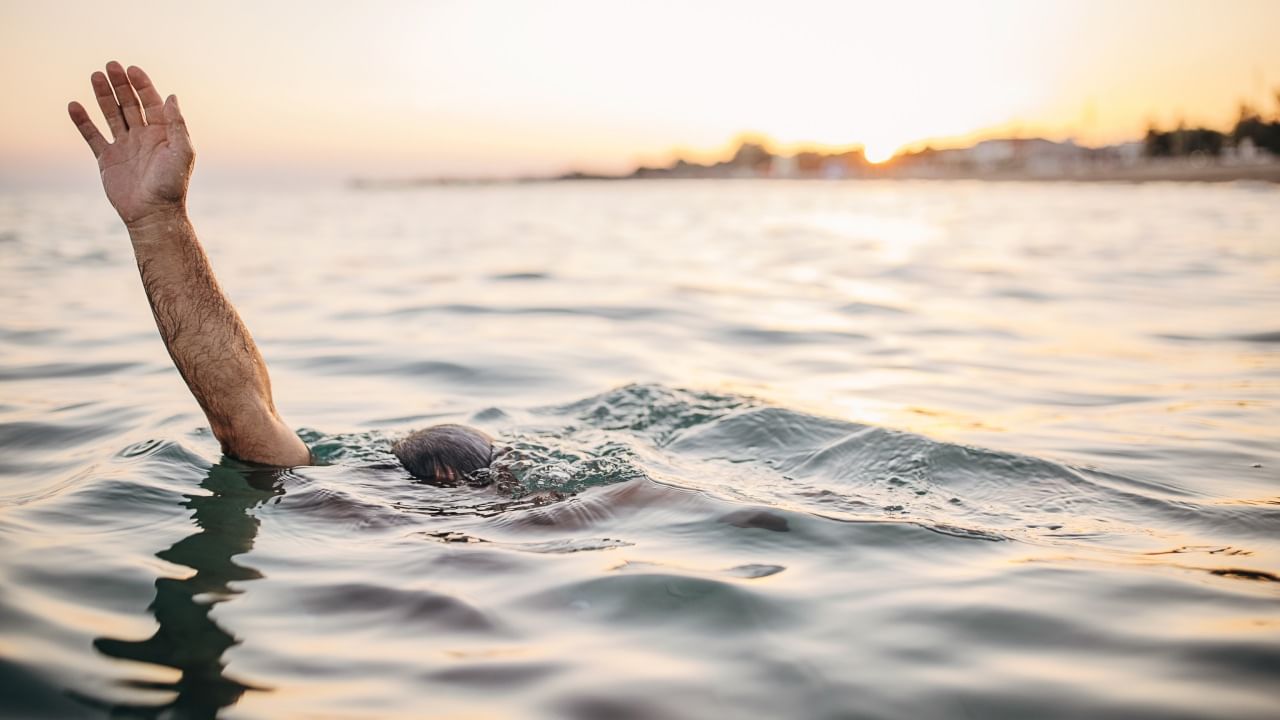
[[147, 165]]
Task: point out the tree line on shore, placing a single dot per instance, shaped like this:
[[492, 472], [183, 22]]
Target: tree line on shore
[[1251, 131]]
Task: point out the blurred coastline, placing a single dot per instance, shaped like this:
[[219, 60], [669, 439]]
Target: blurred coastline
[[1035, 160], [1249, 151]]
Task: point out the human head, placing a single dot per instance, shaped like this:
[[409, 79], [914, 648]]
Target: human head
[[444, 452]]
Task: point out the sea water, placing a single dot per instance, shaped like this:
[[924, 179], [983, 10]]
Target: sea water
[[786, 450]]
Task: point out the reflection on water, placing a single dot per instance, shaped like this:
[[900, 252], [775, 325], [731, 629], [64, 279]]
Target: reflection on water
[[804, 450], [187, 639]]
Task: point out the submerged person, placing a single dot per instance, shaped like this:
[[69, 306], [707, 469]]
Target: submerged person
[[145, 169]]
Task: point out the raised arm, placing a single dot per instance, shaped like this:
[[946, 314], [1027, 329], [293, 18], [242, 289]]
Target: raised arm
[[145, 170]]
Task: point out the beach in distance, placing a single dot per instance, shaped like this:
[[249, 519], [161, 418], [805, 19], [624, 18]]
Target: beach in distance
[[1019, 160], [847, 449]]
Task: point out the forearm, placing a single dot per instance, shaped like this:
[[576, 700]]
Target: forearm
[[209, 344]]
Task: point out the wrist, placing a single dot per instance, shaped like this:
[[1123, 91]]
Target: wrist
[[164, 219]]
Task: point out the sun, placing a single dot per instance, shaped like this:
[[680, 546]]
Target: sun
[[877, 153]]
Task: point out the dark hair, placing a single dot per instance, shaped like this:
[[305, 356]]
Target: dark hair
[[444, 452]]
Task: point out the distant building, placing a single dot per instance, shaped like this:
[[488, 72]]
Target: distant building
[[751, 160], [991, 155], [810, 164], [785, 166], [849, 164], [1037, 157], [1248, 151], [1129, 153], [930, 163]]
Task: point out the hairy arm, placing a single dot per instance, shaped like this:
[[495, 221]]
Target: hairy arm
[[145, 171], [209, 344]]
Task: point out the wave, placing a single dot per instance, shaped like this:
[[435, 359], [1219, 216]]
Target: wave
[[738, 451]]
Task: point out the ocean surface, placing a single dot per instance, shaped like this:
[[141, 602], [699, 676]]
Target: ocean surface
[[776, 450]]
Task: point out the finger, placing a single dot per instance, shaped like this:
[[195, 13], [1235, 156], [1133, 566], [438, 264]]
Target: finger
[[80, 117], [125, 95], [107, 103], [176, 125], [152, 103]]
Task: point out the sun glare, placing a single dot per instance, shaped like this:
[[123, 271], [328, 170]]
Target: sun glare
[[877, 153]]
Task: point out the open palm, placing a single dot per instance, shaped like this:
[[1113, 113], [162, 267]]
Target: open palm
[[146, 168]]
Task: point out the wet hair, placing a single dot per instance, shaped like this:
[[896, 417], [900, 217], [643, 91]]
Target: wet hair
[[444, 452]]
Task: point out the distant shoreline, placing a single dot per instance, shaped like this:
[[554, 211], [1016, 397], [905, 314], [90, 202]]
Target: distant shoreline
[[1143, 173], [1149, 172]]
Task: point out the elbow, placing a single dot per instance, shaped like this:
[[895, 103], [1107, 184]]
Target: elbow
[[255, 433]]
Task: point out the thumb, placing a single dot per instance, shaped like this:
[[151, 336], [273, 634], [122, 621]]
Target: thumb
[[175, 124]]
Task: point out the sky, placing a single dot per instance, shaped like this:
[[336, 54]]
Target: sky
[[320, 92]]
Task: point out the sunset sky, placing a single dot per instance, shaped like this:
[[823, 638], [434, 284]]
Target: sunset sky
[[313, 92]]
